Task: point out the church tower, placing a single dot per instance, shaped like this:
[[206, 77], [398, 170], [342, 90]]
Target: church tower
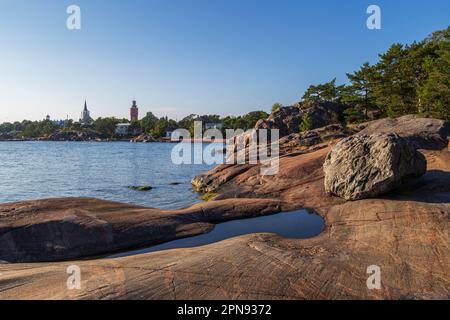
[[134, 112], [85, 115]]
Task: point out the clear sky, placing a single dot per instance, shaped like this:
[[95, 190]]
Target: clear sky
[[177, 57]]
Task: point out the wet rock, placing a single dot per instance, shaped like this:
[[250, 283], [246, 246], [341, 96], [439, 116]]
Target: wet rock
[[364, 166], [144, 138], [140, 188]]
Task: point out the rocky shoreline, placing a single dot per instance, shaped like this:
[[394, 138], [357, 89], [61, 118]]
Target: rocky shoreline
[[404, 231]]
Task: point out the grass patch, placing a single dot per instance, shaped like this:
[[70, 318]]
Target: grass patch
[[209, 196]]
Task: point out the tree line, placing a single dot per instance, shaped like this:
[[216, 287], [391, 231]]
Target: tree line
[[149, 124], [407, 79]]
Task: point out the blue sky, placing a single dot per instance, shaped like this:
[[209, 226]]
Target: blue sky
[[189, 56]]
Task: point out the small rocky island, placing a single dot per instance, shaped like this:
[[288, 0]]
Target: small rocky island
[[382, 187]]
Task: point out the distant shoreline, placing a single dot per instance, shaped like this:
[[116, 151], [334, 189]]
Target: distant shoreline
[[116, 140]]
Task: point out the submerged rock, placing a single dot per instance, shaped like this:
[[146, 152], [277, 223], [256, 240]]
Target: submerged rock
[[364, 166], [140, 188]]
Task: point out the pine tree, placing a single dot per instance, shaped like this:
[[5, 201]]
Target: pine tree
[[407, 79], [276, 106], [434, 94], [393, 89], [306, 124], [359, 94], [323, 92]]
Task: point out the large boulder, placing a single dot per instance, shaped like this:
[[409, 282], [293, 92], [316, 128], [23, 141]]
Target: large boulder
[[288, 119], [323, 113], [363, 166], [424, 133], [299, 141]]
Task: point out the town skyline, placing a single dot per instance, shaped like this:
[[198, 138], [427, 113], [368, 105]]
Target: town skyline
[[128, 115], [177, 58]]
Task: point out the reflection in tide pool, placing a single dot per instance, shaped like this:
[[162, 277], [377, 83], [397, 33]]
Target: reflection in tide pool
[[294, 225]]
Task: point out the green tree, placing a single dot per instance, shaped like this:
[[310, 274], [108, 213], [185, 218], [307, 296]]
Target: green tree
[[323, 92], [76, 126], [135, 127], [276, 106], [47, 127], [358, 95], [68, 124], [106, 126], [213, 118], [172, 125], [6, 127], [30, 129], [400, 72], [245, 122], [160, 129], [434, 93], [306, 123], [148, 122], [251, 118]]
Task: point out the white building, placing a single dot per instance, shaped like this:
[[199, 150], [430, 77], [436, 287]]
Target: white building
[[122, 129], [217, 125]]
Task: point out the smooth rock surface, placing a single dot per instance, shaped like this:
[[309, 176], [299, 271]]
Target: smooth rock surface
[[288, 119], [405, 234], [70, 228], [424, 133], [364, 166], [293, 144]]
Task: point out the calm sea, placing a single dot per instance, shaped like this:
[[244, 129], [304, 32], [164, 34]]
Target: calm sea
[[36, 170]]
